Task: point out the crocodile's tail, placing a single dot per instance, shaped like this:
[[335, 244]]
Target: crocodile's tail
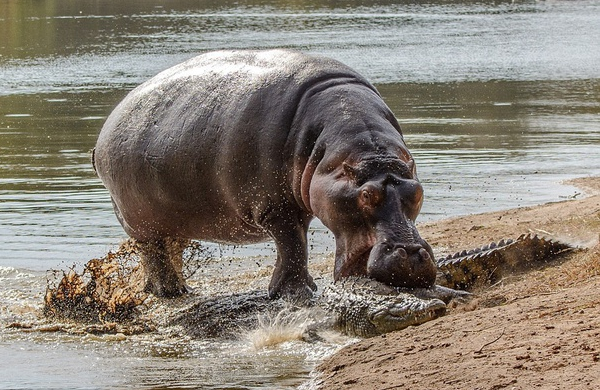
[[468, 269]]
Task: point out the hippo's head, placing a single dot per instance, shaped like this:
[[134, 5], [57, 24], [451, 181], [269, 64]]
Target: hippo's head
[[370, 204]]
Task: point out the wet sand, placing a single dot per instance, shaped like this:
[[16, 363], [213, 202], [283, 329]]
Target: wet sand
[[539, 329]]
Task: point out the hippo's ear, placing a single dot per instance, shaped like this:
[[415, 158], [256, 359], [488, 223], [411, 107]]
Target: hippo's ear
[[349, 171], [412, 167]]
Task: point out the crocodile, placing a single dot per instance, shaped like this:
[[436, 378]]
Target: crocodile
[[356, 306], [363, 307]]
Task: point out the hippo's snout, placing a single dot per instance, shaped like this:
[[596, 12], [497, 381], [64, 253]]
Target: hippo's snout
[[402, 265]]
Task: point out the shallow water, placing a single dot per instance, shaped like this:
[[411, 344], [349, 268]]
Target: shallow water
[[499, 104]]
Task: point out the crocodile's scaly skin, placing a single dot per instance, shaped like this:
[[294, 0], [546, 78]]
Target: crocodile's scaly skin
[[355, 306], [468, 269], [363, 307]]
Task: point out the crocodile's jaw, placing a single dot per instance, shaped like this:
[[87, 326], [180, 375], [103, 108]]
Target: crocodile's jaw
[[366, 308], [405, 310]]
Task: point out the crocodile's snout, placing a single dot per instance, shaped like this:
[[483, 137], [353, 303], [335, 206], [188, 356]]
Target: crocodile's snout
[[406, 310], [367, 308]]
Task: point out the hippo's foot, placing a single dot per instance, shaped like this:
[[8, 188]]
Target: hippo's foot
[[166, 290], [297, 290], [162, 263]]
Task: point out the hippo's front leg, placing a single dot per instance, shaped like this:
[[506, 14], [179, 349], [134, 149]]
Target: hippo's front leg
[[290, 278], [162, 262]]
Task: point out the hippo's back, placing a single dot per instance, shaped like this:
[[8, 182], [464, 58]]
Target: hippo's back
[[203, 140]]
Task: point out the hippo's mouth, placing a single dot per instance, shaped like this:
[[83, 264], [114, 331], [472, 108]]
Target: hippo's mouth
[[396, 265], [400, 265]]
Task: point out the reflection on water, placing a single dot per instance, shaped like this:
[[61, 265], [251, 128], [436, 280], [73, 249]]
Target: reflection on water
[[52, 207], [54, 46], [499, 102]]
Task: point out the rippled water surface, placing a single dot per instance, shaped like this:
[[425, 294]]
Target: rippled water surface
[[499, 103]]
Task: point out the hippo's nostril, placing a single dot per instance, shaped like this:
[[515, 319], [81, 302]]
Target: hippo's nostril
[[424, 254], [401, 252]]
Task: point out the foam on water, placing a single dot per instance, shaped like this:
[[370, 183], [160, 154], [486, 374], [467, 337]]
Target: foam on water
[[20, 295], [286, 325]]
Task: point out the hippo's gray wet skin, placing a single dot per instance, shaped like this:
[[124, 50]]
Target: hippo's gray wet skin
[[248, 146]]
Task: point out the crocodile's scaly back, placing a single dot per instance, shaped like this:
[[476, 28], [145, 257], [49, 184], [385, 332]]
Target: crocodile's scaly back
[[468, 269]]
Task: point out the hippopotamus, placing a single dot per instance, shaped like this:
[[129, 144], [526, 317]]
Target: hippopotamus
[[248, 146]]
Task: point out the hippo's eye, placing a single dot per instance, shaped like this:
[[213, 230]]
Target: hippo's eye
[[370, 195], [366, 197], [388, 249]]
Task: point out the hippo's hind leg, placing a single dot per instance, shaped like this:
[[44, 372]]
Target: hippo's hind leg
[[162, 260]]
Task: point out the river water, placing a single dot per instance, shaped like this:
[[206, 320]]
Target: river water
[[499, 103]]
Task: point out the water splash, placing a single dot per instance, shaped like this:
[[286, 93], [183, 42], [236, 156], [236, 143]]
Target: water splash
[[286, 325]]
